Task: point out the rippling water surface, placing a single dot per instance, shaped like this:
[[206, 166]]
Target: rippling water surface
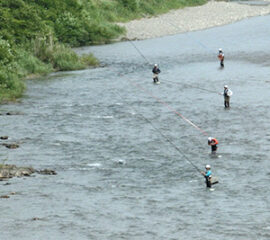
[[118, 178]]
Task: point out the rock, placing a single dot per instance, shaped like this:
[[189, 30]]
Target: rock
[[22, 172], [8, 171], [4, 196], [12, 113], [4, 174], [36, 218], [4, 137], [47, 172], [10, 145]]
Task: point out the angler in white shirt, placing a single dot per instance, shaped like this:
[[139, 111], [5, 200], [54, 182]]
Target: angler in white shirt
[[227, 95]]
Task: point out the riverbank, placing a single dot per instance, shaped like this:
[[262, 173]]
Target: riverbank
[[189, 19]]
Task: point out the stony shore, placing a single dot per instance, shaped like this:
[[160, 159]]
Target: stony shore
[[193, 18]]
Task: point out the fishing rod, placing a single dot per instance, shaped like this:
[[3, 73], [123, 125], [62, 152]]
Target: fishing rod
[[164, 136], [197, 41], [133, 44], [169, 107], [169, 141]]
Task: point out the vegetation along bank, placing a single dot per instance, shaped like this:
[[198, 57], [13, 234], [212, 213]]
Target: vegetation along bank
[[36, 36]]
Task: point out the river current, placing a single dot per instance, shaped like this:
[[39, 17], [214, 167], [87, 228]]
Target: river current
[[118, 177]]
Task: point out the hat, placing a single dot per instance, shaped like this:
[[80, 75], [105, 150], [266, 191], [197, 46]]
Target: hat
[[155, 65], [220, 49], [207, 166], [210, 139], [225, 86]]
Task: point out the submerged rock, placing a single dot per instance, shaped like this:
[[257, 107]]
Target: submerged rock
[[4, 137], [47, 172], [8, 171], [11, 113], [4, 196], [10, 145]]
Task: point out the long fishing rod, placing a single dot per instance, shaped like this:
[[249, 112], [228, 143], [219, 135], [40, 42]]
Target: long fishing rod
[[197, 41], [169, 107], [168, 140], [159, 100], [164, 136], [144, 57], [133, 44]]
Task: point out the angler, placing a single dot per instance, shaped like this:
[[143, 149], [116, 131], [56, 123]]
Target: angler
[[208, 175], [213, 142], [209, 180], [155, 72], [221, 57], [227, 95]]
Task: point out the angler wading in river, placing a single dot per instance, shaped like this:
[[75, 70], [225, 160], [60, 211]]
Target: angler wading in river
[[227, 94], [213, 143], [208, 175], [155, 72], [221, 57]]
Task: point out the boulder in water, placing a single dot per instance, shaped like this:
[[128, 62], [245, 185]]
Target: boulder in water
[[11, 145]]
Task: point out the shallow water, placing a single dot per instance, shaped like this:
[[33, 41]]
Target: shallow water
[[118, 178]]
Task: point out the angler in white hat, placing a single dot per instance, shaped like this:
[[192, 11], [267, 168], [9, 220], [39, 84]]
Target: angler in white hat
[[227, 95], [208, 175], [155, 71]]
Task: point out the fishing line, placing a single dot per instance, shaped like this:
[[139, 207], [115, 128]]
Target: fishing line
[[133, 44], [164, 136], [159, 100], [194, 40], [169, 107]]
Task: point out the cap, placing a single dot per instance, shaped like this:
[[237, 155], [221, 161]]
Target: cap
[[210, 138], [220, 49], [155, 65], [225, 86], [207, 166]]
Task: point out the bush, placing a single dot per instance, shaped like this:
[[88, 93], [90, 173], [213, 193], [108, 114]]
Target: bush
[[65, 59], [89, 60], [27, 64], [6, 55], [10, 85]]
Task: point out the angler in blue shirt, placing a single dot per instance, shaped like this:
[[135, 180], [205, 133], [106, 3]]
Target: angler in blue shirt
[[207, 174]]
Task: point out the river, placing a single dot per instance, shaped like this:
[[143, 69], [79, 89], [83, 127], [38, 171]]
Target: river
[[118, 176]]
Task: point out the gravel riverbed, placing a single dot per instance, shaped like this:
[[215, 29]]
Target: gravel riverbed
[[194, 18]]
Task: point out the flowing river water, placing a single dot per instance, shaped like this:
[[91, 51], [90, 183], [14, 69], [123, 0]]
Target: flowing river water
[[118, 177]]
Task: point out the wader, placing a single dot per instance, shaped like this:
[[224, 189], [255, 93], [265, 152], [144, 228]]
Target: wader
[[208, 182], [226, 101], [222, 63]]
